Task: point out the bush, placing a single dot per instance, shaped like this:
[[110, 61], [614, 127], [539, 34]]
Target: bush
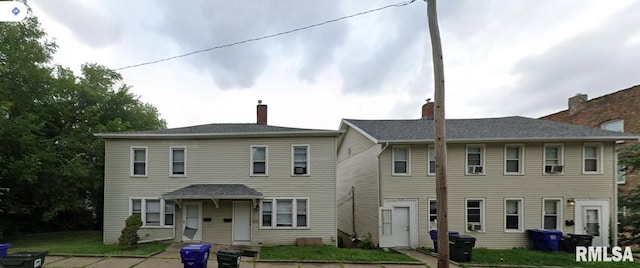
[[129, 237]]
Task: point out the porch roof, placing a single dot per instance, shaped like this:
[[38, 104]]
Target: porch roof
[[214, 191]]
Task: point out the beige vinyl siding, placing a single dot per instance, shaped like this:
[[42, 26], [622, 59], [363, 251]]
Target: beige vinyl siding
[[359, 171], [225, 161], [494, 187], [353, 141]]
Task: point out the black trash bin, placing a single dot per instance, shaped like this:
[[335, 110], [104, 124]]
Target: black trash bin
[[434, 236], [23, 260], [461, 248], [195, 256], [229, 258], [577, 240]]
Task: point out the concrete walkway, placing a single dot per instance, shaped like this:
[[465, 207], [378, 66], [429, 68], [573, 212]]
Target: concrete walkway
[[171, 259]]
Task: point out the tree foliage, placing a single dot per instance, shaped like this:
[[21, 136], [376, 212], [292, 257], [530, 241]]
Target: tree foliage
[[630, 224], [51, 164]]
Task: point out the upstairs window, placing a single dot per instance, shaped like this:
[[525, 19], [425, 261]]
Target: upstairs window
[[553, 159], [401, 164], [613, 125], [513, 159], [621, 173], [431, 168], [475, 160], [300, 156], [259, 161], [178, 161], [139, 161], [592, 158]]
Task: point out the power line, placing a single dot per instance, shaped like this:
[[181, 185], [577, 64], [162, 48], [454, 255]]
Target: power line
[[266, 36]]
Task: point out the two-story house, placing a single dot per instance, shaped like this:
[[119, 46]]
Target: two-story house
[[241, 184], [505, 175]]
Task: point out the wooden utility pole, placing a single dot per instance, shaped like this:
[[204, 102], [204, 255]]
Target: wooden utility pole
[[440, 137]]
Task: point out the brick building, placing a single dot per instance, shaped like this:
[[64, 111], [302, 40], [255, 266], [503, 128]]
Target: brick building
[[617, 111]]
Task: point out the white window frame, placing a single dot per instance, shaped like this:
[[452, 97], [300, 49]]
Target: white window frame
[[558, 212], [483, 227], [621, 169], [308, 162], [520, 159], [560, 160], [393, 160], [171, 171], [294, 213], [266, 161], [143, 211], [607, 125], [520, 215], [146, 161], [599, 156], [483, 151], [431, 154], [429, 214]]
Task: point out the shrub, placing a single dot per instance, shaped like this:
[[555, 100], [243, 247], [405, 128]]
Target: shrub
[[129, 237]]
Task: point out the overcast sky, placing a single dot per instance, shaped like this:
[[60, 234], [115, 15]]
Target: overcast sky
[[502, 57]]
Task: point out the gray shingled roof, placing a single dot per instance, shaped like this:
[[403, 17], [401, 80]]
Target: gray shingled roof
[[220, 130], [505, 128], [214, 191]]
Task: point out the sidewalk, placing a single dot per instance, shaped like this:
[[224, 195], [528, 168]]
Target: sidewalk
[[171, 259]]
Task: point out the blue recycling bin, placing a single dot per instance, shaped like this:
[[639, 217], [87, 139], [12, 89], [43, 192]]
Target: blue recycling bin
[[545, 239], [434, 236], [195, 256], [3, 249]]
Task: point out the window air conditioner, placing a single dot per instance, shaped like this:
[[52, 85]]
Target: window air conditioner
[[553, 169], [475, 169]]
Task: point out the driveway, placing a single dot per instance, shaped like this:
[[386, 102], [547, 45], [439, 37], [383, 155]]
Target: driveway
[[171, 259]]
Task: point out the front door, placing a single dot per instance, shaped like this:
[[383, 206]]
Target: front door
[[192, 221], [400, 229], [241, 222], [592, 218], [592, 223]]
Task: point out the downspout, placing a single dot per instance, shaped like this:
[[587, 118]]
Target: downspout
[[614, 227], [352, 191], [380, 172]]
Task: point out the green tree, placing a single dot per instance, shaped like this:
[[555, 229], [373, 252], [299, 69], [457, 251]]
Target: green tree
[[51, 164], [630, 225]]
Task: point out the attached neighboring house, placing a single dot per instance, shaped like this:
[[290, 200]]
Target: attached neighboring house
[[617, 111], [242, 184], [505, 175]]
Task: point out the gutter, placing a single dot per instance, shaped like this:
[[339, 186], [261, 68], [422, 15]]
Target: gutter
[[379, 176]]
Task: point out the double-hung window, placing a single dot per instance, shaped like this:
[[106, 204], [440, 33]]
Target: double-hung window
[[285, 213], [513, 215], [621, 173], [259, 160], [592, 158], [431, 168], [300, 159], [433, 214], [474, 209], [513, 159], [475, 160], [553, 159], [551, 212], [154, 212], [139, 161], [178, 161], [401, 160]]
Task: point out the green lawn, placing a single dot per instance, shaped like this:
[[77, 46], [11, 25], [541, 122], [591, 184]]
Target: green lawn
[[76, 243], [536, 258], [333, 254]]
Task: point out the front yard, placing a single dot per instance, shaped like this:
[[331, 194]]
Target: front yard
[[331, 254], [77, 243]]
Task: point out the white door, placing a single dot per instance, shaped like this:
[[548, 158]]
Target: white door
[[192, 222], [592, 218], [241, 222], [400, 226], [592, 223]]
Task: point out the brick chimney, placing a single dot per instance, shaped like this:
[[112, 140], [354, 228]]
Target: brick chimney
[[261, 113], [575, 103], [427, 109]]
